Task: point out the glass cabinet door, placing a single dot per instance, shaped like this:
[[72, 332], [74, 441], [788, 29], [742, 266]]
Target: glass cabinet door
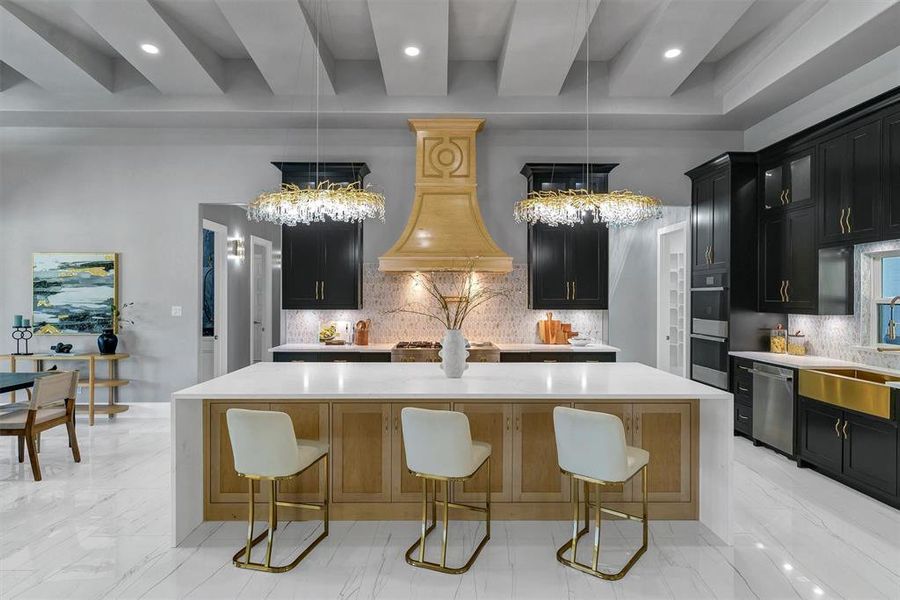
[[800, 188], [774, 189]]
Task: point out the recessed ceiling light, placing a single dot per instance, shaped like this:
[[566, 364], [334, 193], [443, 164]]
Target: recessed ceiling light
[[150, 48], [672, 53], [411, 51], [787, 567]]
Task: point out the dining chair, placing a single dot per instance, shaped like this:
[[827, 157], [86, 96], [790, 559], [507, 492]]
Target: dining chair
[[51, 403]]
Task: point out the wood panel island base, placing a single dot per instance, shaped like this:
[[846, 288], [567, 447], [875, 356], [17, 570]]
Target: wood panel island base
[[355, 407]]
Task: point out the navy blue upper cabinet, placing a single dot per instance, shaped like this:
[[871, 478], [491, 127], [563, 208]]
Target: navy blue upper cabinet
[[322, 262], [890, 130], [787, 180], [568, 267]]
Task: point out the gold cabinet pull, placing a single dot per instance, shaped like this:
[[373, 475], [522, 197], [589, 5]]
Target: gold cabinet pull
[[507, 423], [573, 290], [518, 423], [849, 228], [387, 424], [627, 423], [781, 291], [841, 220], [712, 255], [317, 290], [323, 290], [787, 293], [837, 424], [396, 424], [568, 293], [781, 197], [787, 196], [844, 429]]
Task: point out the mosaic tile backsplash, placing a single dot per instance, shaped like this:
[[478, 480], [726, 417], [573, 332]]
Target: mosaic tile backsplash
[[846, 337], [503, 320]]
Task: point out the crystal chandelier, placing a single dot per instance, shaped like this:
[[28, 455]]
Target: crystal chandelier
[[290, 204], [619, 208]]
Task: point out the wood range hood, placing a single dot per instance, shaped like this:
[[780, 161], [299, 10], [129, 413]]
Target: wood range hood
[[445, 231]]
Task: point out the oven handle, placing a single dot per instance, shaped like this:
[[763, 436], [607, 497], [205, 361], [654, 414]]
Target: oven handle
[[710, 338], [770, 375], [708, 289]]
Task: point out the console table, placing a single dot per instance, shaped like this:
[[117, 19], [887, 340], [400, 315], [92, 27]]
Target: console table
[[112, 382]]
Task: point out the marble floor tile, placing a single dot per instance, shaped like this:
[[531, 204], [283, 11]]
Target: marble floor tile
[[100, 529]]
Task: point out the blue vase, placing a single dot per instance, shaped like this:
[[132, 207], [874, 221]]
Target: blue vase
[[107, 342]]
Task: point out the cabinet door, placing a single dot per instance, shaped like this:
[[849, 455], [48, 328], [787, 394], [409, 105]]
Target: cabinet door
[[870, 452], [310, 423], [801, 290], [799, 179], [864, 185], [224, 483], [536, 475], [405, 487], [341, 263], [550, 287], [832, 178], [702, 216], [820, 434], [721, 234], [490, 423], [665, 431], [361, 452], [891, 176], [771, 262], [300, 250], [773, 187], [620, 492], [588, 265]]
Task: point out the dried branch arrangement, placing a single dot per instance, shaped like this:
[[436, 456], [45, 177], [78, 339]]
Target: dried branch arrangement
[[450, 309]]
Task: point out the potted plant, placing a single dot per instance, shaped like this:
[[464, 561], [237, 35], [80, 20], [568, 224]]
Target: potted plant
[[451, 310], [108, 340]]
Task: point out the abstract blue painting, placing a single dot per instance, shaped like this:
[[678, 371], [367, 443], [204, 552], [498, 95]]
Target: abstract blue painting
[[74, 293]]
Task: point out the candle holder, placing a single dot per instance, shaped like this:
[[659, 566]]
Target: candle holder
[[22, 334]]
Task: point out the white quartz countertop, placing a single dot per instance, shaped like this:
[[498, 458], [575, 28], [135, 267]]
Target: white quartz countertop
[[813, 362], [387, 348], [408, 381], [555, 348], [331, 348]]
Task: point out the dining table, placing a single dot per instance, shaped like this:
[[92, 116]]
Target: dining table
[[11, 382]]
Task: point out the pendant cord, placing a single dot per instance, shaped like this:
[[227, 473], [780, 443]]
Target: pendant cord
[[318, 64], [587, 96]]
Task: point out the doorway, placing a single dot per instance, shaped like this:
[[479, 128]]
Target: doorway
[[213, 359], [260, 299], [671, 299]]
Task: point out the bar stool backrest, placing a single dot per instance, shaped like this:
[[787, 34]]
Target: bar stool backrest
[[591, 444], [53, 389], [262, 442], [437, 442]]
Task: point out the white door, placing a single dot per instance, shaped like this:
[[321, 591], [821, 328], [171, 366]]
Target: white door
[[260, 299], [213, 359], [671, 302]]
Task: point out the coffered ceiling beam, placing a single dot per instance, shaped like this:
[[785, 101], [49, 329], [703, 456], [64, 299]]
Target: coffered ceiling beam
[[184, 65], [423, 24], [692, 26], [50, 57], [818, 43], [541, 42], [281, 40]]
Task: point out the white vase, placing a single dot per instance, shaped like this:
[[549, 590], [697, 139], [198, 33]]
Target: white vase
[[453, 353]]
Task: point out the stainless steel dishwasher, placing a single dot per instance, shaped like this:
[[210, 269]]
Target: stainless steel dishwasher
[[773, 406]]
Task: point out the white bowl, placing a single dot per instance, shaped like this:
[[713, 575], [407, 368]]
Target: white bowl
[[575, 341]]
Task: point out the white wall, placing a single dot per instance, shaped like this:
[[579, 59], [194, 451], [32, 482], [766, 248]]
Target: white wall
[[137, 192]]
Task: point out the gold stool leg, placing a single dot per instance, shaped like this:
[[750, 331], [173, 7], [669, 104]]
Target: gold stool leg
[[575, 535], [424, 518], [596, 557], [271, 536], [446, 521], [251, 510]]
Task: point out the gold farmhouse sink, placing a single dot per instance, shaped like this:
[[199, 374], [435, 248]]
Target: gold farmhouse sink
[[854, 389]]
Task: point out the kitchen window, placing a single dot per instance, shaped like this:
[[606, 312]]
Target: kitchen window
[[886, 278]]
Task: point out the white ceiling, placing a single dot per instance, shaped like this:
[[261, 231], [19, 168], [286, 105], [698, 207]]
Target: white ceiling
[[77, 62]]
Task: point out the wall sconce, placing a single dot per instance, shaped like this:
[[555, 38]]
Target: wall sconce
[[236, 248]]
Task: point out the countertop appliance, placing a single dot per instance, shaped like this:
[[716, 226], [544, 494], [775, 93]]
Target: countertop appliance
[[773, 406], [421, 351]]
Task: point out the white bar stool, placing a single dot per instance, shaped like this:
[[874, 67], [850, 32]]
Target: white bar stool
[[265, 449], [439, 447], [591, 448]]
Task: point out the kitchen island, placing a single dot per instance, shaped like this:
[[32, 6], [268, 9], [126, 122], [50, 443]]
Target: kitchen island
[[355, 407]]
